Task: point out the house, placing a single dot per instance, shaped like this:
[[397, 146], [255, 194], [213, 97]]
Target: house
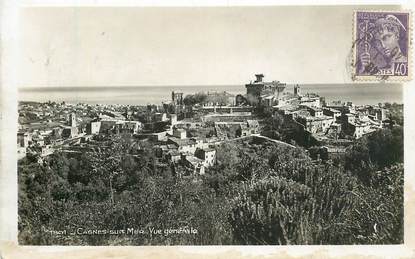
[[331, 112], [173, 156], [253, 126], [113, 126], [179, 133], [23, 139], [193, 163], [163, 150], [188, 145], [157, 136], [38, 140], [111, 115], [86, 138], [248, 128], [131, 127], [107, 126], [357, 127], [268, 100], [93, 127], [46, 151], [243, 130], [208, 155], [310, 100], [160, 150], [160, 117], [348, 118], [21, 152], [315, 124], [315, 111], [173, 119], [378, 113], [69, 132]]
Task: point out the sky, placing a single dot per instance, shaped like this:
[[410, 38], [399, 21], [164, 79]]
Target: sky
[[109, 46]]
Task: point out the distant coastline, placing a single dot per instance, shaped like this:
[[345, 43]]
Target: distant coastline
[[142, 95]]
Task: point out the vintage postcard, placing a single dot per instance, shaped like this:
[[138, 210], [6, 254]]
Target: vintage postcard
[[232, 126], [382, 45]]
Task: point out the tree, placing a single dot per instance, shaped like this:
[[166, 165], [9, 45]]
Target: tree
[[192, 99], [376, 151], [107, 163]]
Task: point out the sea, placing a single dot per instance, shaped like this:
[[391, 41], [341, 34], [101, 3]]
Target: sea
[[359, 94]]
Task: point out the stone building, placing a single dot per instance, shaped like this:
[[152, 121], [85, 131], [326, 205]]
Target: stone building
[[193, 163], [72, 120], [315, 124], [331, 112], [315, 111], [23, 139], [208, 155], [179, 133], [188, 145], [260, 93], [93, 127], [71, 130], [297, 90], [247, 128], [173, 119]]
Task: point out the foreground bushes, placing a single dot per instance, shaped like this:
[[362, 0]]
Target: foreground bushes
[[257, 193]]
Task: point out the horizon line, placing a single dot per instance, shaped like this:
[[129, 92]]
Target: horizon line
[[69, 87]]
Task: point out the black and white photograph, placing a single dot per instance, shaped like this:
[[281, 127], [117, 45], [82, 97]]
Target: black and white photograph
[[207, 126]]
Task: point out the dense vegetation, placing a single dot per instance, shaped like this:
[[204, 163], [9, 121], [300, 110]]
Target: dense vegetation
[[395, 112], [203, 98], [257, 193]]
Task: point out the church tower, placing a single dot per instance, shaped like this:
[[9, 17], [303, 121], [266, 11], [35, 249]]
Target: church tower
[[297, 90], [72, 120], [177, 98]]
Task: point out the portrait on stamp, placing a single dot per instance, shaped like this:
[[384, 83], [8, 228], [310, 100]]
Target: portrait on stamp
[[382, 44]]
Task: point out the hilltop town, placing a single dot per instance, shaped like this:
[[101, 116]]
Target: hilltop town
[[185, 130], [273, 165], [193, 126]]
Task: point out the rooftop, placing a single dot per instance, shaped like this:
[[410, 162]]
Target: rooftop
[[174, 152], [252, 123], [209, 149], [331, 109], [182, 142], [312, 118], [193, 160]]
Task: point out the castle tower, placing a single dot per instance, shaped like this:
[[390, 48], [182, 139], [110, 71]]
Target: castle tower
[[258, 90], [259, 78]]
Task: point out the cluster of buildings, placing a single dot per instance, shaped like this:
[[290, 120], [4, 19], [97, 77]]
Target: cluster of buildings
[[160, 127], [311, 112], [66, 125], [43, 141], [334, 120], [193, 153], [186, 135]]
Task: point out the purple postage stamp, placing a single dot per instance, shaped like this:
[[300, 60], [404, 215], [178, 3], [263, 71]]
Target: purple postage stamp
[[382, 45]]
